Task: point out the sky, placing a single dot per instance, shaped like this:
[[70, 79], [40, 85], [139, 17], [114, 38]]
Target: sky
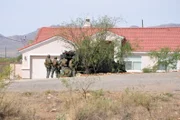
[[18, 17]]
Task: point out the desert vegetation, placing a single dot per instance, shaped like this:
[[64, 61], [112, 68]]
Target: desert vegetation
[[97, 49], [98, 105], [80, 103], [11, 106], [165, 58]]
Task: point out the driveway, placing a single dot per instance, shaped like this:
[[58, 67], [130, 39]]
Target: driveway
[[164, 82]]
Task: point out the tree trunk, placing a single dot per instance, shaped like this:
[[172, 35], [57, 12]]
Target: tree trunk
[[166, 68], [87, 70]]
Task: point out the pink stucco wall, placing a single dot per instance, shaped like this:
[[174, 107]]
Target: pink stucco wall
[[16, 72]]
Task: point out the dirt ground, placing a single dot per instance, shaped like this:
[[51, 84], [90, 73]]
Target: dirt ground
[[105, 105], [154, 96]]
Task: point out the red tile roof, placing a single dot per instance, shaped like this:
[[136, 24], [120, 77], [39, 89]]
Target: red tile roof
[[145, 39]]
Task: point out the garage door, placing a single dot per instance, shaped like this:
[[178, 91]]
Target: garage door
[[38, 70]]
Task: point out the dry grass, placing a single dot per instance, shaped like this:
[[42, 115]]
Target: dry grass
[[99, 105], [12, 108]]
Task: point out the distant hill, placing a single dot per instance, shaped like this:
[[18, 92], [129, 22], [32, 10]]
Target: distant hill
[[12, 43], [9, 46], [168, 25], [134, 26]]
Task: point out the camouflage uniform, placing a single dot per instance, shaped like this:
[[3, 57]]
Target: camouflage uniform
[[48, 65], [72, 66], [54, 67], [65, 71]]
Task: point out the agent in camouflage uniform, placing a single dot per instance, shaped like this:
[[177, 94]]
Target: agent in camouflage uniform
[[48, 65], [72, 66], [65, 70], [54, 67]]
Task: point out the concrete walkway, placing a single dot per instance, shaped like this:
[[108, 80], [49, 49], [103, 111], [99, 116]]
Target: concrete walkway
[[164, 82]]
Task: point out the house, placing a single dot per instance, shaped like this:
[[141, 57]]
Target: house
[[53, 41]]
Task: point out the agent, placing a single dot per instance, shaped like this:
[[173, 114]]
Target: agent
[[48, 65]]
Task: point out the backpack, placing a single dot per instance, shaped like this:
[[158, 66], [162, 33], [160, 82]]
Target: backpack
[[54, 62], [48, 62]]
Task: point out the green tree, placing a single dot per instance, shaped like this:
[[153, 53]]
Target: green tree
[[166, 57], [96, 47]]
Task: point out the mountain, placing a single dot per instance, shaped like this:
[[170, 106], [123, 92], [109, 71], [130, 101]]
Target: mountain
[[12, 43], [8, 47], [134, 26], [169, 25]]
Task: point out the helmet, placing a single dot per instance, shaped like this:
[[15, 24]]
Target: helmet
[[48, 56]]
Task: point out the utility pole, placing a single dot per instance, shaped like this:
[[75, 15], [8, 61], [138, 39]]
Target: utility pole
[[142, 23], [5, 54]]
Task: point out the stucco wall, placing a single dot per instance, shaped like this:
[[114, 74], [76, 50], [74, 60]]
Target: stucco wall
[[25, 73], [54, 46], [16, 72], [146, 61], [178, 65]]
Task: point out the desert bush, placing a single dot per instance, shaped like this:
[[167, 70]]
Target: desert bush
[[12, 108], [81, 86], [152, 69], [101, 105], [97, 109], [4, 75], [147, 70], [130, 105], [98, 93], [61, 117], [138, 98], [95, 53], [166, 57]]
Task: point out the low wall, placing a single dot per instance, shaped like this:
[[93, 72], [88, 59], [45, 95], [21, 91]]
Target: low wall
[[16, 72]]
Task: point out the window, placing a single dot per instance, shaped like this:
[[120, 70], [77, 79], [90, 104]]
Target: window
[[133, 63], [128, 65], [136, 65], [161, 67], [172, 66]]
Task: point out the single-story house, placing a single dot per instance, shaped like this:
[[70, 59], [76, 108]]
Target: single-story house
[[52, 41]]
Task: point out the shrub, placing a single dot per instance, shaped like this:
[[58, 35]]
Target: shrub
[[12, 108], [97, 109], [166, 57], [147, 70], [4, 75]]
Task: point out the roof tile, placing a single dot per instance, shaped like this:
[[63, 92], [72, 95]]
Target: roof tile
[[147, 38]]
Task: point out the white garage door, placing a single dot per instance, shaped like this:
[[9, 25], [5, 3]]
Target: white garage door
[[38, 69]]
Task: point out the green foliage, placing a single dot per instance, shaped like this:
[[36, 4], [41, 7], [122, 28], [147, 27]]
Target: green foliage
[[97, 53], [98, 93], [118, 67], [166, 57], [138, 98], [106, 22], [95, 56], [61, 117], [19, 58], [10, 60], [124, 50], [147, 70], [168, 94], [4, 74], [98, 56], [97, 109]]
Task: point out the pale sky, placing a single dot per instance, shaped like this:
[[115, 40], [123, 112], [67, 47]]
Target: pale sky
[[24, 16]]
